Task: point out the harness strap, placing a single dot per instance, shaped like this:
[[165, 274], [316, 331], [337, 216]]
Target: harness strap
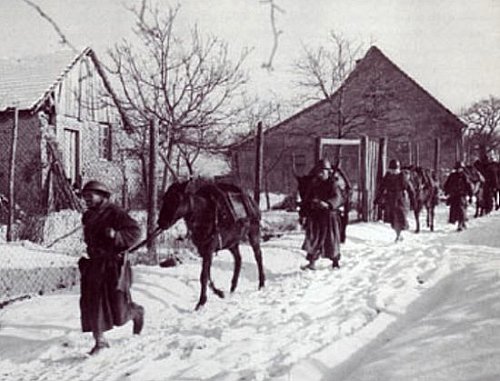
[[216, 226]]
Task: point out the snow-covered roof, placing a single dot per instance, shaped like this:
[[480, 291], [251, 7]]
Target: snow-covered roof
[[26, 82]]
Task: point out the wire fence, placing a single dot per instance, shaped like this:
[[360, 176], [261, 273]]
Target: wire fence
[[43, 164]]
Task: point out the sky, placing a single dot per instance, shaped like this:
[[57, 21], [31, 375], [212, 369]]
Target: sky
[[425, 308], [451, 47]]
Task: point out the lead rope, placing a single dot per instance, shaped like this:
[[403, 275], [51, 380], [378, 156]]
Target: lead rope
[[121, 283]]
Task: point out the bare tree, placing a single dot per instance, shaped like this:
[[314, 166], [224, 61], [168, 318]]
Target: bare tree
[[483, 125], [187, 84], [321, 72]]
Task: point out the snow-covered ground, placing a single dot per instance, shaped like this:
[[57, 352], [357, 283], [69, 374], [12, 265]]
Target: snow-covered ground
[[426, 308]]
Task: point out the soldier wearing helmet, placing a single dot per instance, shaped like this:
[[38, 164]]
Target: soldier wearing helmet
[[394, 196], [108, 230], [458, 189], [320, 210], [394, 165], [94, 193]]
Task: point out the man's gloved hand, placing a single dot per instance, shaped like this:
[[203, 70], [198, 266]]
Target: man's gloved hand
[[110, 233], [324, 205], [320, 204]]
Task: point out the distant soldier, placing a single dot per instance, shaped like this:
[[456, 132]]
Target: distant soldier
[[108, 231], [458, 189], [320, 210], [394, 195], [490, 171]]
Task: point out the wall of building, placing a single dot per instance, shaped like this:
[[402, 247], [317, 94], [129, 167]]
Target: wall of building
[[377, 100], [28, 169]]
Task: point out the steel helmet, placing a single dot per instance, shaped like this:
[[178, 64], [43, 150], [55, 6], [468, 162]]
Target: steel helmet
[[394, 164], [459, 164], [96, 186], [323, 164]]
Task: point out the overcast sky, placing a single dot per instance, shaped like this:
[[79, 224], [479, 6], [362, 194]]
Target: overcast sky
[[451, 47]]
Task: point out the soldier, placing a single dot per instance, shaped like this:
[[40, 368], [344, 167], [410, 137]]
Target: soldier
[[108, 231], [320, 208], [458, 188], [394, 195]]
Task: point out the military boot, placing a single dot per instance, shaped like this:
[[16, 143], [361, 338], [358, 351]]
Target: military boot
[[138, 319]]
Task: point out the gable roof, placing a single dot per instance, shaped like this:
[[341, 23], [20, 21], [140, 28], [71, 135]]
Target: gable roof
[[376, 53], [372, 55], [25, 82]]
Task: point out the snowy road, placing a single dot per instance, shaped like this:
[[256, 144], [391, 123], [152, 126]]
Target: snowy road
[[355, 323]]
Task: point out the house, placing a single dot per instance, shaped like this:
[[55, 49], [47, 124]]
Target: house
[[377, 101], [66, 128]]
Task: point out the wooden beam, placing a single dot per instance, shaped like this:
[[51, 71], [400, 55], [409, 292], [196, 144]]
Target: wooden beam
[[12, 177], [259, 153], [152, 191]]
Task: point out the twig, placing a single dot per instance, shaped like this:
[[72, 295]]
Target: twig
[[58, 30], [276, 33]]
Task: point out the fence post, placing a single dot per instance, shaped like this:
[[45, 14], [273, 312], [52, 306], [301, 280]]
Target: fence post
[[365, 207], [12, 177], [437, 157], [417, 154], [259, 153], [152, 190], [318, 150], [382, 168]]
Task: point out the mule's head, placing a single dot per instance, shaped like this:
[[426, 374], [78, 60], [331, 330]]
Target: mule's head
[[175, 204]]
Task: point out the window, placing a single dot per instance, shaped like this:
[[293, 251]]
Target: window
[[105, 141], [299, 162]]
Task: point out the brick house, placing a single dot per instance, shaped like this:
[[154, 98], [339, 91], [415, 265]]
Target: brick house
[[377, 100], [68, 129]]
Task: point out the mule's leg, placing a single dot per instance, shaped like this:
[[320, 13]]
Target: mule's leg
[[430, 212], [204, 277], [254, 238], [216, 291], [235, 250], [416, 212]]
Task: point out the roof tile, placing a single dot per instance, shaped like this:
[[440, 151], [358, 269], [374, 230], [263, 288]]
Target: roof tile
[[23, 81]]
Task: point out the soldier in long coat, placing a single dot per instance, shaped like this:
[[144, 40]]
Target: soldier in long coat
[[105, 279], [491, 184], [320, 209], [395, 194], [458, 188]]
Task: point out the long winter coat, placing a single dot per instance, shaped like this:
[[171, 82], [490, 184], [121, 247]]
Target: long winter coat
[[102, 305], [394, 195], [457, 188], [322, 226]]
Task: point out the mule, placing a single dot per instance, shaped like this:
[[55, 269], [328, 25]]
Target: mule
[[212, 228], [426, 194], [476, 179], [490, 171]]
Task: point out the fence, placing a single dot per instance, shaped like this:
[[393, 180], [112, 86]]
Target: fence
[[44, 161]]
